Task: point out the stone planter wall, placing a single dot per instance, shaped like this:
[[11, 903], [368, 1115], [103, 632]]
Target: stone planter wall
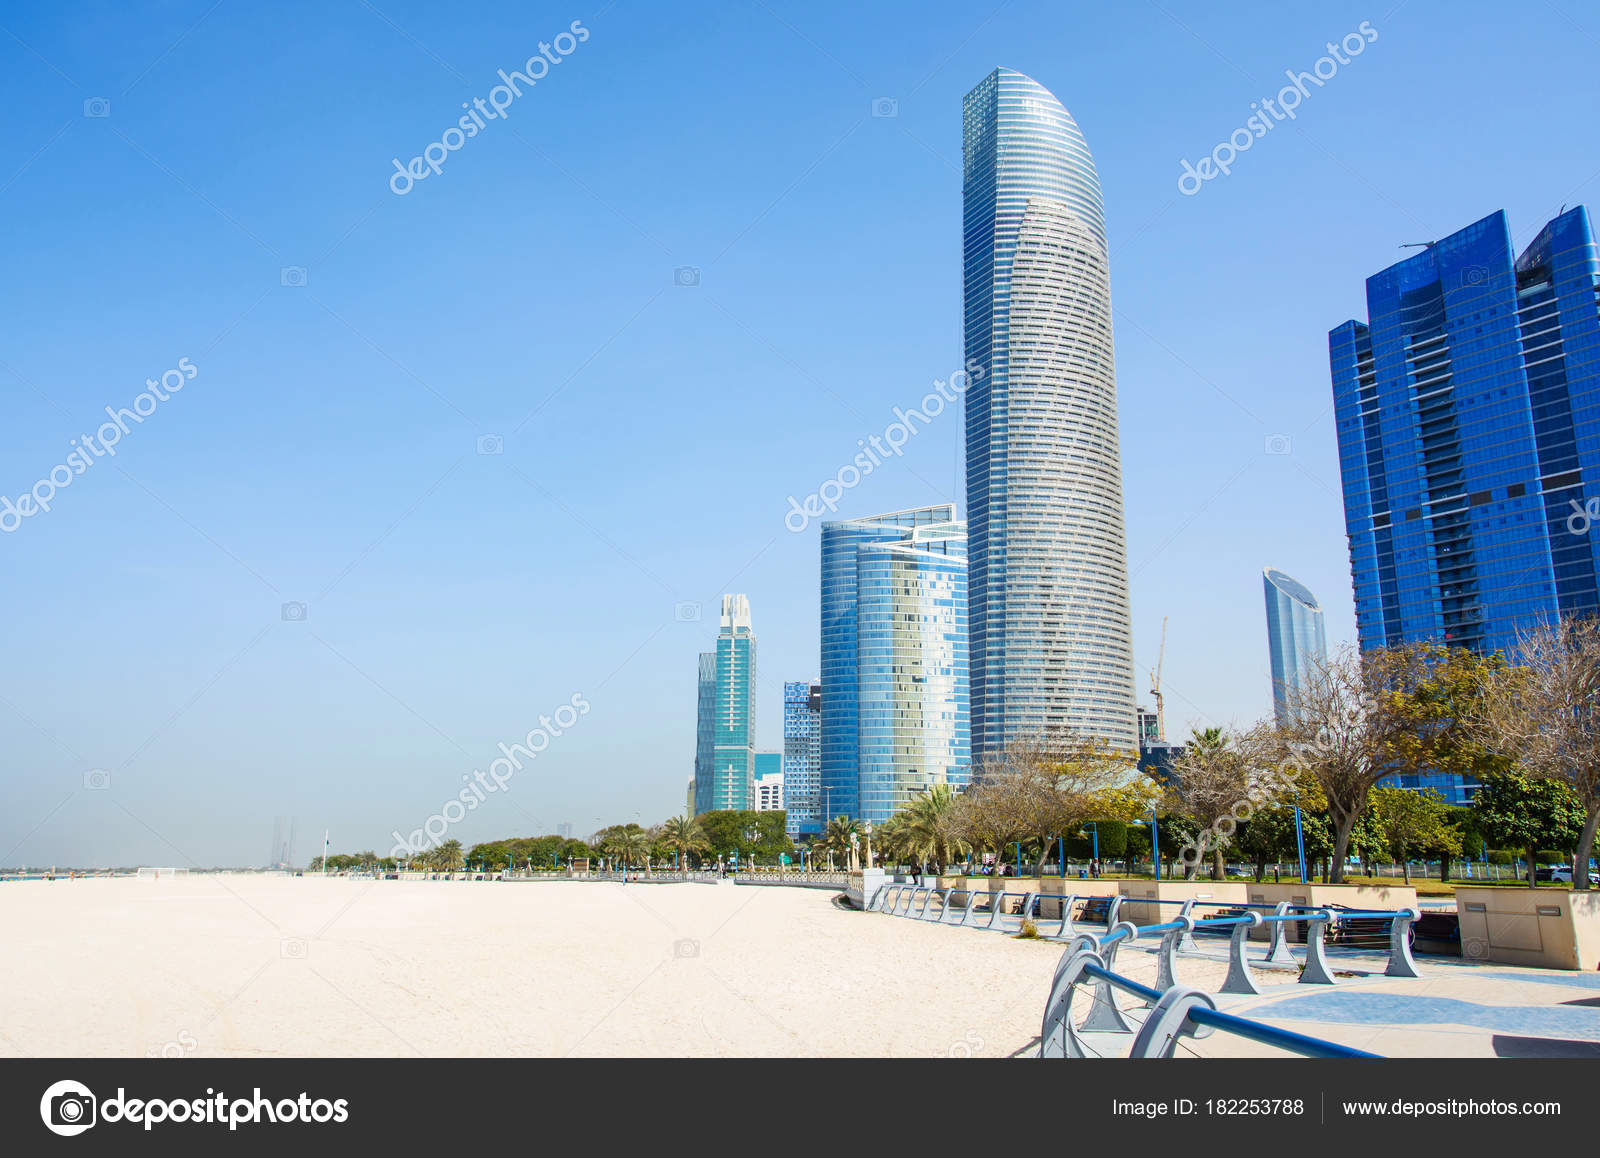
[[1544, 928]]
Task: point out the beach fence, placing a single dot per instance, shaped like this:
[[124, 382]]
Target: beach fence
[[160, 874]]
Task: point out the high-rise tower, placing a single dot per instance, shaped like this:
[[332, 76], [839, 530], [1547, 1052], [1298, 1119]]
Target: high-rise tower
[[1050, 627], [733, 753], [1296, 638], [894, 660], [1468, 410]]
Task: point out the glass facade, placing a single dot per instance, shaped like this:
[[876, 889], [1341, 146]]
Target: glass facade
[[895, 693], [1051, 638], [802, 757], [1468, 412], [705, 736], [768, 794], [728, 781], [1296, 637]]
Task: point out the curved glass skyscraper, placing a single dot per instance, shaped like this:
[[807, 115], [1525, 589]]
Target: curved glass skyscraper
[[1051, 638], [894, 660], [1296, 638]]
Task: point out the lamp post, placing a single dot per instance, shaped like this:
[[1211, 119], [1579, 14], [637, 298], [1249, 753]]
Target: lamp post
[[1019, 857], [1095, 827], [1300, 842], [1155, 842], [1061, 854], [867, 828]]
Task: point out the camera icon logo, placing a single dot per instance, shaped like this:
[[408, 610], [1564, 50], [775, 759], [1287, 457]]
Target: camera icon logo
[[294, 612], [68, 1108], [491, 444], [294, 949], [1279, 444], [686, 275], [1476, 275], [885, 107], [686, 948], [97, 107], [686, 611], [292, 275], [97, 779]]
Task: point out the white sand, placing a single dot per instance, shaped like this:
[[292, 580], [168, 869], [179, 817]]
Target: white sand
[[305, 967]]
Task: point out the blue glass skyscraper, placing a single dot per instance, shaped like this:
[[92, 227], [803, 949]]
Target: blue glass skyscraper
[[802, 757], [705, 733], [895, 691], [1468, 412], [1296, 637], [1050, 626]]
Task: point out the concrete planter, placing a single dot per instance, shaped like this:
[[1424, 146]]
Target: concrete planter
[[1377, 898], [1544, 928], [1049, 889], [1210, 898]]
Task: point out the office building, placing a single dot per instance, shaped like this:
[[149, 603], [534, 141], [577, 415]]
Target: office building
[[802, 757], [705, 733], [733, 747], [1297, 642], [1468, 417], [768, 795], [895, 715], [1050, 630]]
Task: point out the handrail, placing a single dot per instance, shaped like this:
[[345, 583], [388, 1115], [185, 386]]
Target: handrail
[[1125, 984], [1272, 1035], [1175, 1011]]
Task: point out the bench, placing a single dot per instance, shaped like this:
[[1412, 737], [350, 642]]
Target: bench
[[1095, 909]]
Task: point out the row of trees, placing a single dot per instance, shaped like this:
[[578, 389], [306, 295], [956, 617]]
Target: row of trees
[[1527, 728], [1364, 717]]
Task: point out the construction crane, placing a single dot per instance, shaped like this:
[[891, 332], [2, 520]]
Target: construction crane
[[1155, 685]]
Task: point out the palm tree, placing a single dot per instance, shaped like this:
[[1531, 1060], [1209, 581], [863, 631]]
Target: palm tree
[[626, 844], [448, 856], [928, 830], [684, 834], [836, 836]]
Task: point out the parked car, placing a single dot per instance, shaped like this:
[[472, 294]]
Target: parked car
[[1564, 873]]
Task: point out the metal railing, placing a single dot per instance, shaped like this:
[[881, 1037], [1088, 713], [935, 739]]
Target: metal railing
[[1174, 1011]]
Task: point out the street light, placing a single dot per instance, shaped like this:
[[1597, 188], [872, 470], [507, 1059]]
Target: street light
[[1300, 843], [1096, 827], [1155, 841]]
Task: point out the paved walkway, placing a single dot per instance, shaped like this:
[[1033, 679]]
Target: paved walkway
[[1457, 1009]]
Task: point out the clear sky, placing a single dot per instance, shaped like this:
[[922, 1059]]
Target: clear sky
[[326, 452]]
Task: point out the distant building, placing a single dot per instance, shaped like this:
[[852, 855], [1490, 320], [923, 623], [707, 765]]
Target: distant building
[[564, 830], [768, 782], [1156, 759], [894, 660], [705, 732], [689, 799], [1296, 639], [802, 757], [1149, 726], [727, 781]]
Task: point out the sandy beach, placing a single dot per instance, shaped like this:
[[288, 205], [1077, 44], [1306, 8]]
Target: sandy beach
[[241, 966]]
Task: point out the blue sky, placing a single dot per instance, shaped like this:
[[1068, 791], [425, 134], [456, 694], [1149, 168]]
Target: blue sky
[[326, 453]]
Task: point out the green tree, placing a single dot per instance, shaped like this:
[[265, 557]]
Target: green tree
[[835, 839], [1409, 821], [684, 835], [926, 829], [1544, 716], [1529, 813]]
